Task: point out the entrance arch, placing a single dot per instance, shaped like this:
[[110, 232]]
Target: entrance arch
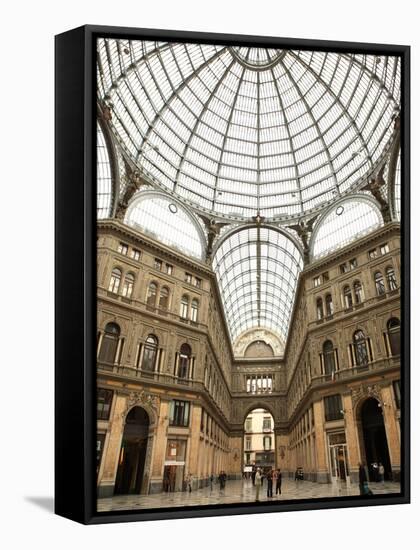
[[374, 438], [259, 440], [132, 453]]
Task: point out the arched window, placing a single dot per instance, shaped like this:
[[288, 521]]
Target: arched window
[[358, 292], [114, 283], [128, 285], [329, 305], [151, 295], [164, 298], [348, 298], [360, 348], [150, 354], [319, 309], [394, 339], [109, 344], [184, 361], [329, 360], [379, 283], [184, 307], [194, 310], [391, 279]]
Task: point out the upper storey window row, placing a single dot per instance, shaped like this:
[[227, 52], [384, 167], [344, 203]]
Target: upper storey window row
[[125, 250]]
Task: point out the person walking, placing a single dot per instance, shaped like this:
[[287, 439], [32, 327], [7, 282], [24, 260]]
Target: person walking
[[278, 482], [211, 482], [257, 484], [270, 484]]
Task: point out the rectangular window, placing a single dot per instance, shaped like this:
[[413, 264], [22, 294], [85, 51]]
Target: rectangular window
[[123, 249], [248, 443], [169, 269], [197, 282], [248, 424], [317, 281], [188, 278], [333, 407], [104, 403], [325, 277], [353, 263], [397, 393], [179, 413], [343, 268], [266, 423], [158, 264], [373, 253], [135, 254], [384, 248], [267, 443], [175, 450]]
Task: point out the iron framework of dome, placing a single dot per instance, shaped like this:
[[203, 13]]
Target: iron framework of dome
[[236, 134]]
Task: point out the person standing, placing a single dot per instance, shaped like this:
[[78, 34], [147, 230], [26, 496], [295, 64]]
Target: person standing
[[381, 472], [278, 482], [253, 473], [257, 484], [363, 485], [211, 482], [189, 483], [270, 484]]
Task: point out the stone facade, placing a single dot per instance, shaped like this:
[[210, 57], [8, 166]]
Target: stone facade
[[156, 353]]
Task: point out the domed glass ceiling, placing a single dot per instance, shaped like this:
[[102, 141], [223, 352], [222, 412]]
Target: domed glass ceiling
[[236, 130]]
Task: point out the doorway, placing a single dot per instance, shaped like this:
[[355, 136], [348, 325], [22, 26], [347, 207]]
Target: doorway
[[133, 453], [374, 437], [338, 456]]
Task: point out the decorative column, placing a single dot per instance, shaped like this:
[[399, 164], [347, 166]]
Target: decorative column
[[320, 447], [112, 452], [392, 430], [159, 451], [352, 437]]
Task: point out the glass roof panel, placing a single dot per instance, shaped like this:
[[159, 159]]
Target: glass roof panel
[[166, 221], [345, 223], [257, 270], [238, 130], [103, 176]]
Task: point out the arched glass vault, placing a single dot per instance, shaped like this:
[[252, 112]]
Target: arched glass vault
[[237, 130], [257, 270]]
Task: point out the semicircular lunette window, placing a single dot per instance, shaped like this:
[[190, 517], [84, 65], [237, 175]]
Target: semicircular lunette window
[[241, 130], [161, 219], [349, 221], [104, 178], [257, 271]]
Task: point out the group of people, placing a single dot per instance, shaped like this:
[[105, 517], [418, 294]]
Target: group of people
[[377, 473], [272, 476]]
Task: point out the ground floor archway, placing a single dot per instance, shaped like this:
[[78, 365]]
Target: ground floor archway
[[133, 451], [375, 443], [259, 441]]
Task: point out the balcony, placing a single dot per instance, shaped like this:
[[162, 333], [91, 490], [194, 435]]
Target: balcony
[[147, 376]]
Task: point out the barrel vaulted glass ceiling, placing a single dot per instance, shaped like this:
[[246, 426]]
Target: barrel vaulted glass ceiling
[[234, 132], [257, 271]]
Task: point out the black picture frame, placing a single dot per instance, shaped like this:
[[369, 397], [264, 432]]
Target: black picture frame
[[75, 274]]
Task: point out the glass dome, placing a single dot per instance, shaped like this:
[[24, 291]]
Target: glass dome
[[236, 130]]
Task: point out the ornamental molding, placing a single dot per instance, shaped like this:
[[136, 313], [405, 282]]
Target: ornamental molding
[[141, 399], [366, 391]]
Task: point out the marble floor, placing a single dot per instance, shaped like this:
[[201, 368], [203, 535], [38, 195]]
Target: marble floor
[[238, 492]]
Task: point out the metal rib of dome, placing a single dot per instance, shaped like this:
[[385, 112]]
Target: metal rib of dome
[[235, 130]]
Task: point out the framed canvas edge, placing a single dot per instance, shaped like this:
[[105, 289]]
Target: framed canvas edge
[[81, 506]]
